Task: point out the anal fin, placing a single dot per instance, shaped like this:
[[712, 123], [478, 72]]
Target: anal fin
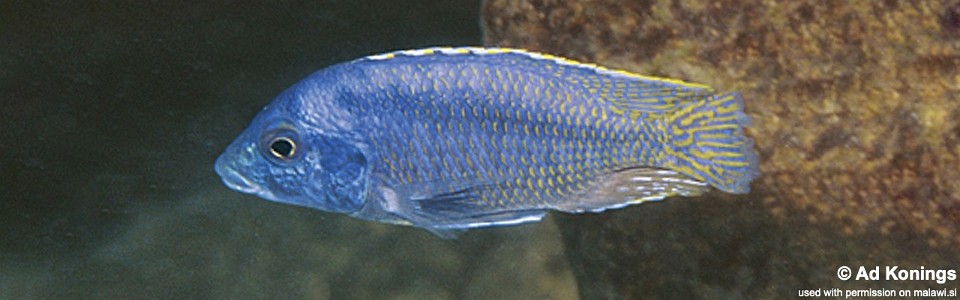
[[632, 186]]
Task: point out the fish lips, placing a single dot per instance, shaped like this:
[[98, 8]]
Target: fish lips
[[233, 178]]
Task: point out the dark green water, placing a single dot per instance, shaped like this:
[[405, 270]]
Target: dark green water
[[113, 112]]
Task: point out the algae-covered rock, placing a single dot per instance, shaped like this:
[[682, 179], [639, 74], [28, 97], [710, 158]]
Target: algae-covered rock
[[856, 118]]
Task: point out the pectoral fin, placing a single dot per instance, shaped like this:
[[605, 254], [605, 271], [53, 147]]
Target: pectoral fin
[[447, 209]]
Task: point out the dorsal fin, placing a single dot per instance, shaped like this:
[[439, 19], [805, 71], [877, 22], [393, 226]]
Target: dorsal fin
[[629, 93]]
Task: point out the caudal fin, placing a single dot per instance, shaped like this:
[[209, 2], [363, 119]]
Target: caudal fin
[[706, 142]]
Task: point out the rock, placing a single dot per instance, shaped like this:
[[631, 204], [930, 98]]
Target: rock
[[856, 117]]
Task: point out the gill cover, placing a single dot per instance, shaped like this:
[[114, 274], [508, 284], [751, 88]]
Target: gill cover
[[343, 173]]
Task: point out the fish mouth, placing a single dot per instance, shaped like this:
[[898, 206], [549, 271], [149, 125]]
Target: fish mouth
[[234, 180]]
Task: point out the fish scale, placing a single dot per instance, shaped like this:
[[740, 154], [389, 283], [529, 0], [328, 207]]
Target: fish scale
[[448, 139], [533, 147]]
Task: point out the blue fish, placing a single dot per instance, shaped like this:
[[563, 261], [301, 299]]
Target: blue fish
[[448, 139]]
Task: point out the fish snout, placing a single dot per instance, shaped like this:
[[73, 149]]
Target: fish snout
[[231, 166]]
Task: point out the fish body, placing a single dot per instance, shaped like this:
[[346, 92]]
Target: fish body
[[448, 139]]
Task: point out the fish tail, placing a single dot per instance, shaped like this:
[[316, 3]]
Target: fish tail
[[706, 142]]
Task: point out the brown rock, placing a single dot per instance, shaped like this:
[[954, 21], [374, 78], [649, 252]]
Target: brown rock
[[856, 117]]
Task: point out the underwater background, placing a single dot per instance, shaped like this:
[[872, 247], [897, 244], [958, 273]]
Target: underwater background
[[112, 113], [856, 118]]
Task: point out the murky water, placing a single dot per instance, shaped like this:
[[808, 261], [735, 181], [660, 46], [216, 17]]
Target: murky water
[[113, 112]]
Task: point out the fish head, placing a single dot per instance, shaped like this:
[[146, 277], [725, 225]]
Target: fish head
[[285, 155]]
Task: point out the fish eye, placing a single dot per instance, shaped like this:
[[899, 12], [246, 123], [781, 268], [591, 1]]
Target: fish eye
[[283, 147], [281, 144]]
